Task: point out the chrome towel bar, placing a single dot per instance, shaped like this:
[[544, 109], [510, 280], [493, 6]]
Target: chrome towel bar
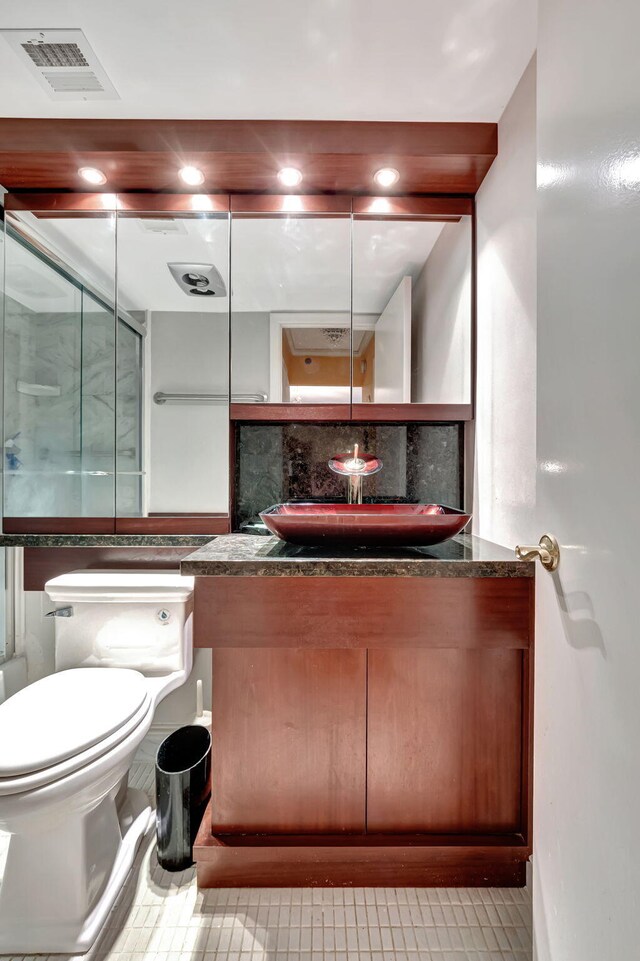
[[160, 397]]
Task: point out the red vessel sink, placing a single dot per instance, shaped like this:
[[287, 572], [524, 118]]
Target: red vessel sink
[[373, 525]]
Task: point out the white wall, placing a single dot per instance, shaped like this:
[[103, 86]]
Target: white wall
[[441, 321], [188, 444], [392, 357], [505, 455], [250, 344], [587, 762]]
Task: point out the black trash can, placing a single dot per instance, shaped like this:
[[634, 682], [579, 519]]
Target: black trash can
[[183, 768]]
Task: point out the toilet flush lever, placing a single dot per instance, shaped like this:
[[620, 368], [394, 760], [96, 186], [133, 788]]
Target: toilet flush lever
[[60, 612], [547, 551]]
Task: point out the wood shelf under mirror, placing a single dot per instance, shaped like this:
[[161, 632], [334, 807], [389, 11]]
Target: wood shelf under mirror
[[286, 413], [171, 524], [371, 413], [414, 413], [174, 524], [58, 525]]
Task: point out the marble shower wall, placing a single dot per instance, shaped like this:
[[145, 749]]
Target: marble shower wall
[[64, 464], [282, 462]]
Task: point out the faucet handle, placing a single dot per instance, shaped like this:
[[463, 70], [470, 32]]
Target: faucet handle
[[60, 612]]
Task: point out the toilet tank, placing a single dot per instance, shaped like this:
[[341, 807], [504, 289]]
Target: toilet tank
[[136, 619]]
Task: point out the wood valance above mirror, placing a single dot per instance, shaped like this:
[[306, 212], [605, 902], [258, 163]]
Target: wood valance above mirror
[[244, 156]]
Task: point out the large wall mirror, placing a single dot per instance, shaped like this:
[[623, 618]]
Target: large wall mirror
[[412, 310], [119, 314], [392, 292], [291, 308], [116, 392]]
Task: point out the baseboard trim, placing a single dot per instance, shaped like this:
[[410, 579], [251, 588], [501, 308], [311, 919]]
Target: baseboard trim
[[358, 860]]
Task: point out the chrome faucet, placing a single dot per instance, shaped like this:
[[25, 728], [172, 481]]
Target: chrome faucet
[[354, 467]]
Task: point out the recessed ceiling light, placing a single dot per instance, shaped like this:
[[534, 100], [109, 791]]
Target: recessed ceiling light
[[93, 176], [290, 176], [192, 176], [386, 176]]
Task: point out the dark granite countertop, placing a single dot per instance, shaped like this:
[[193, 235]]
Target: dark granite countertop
[[247, 554], [105, 540]]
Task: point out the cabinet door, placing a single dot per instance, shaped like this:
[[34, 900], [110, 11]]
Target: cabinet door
[[444, 740], [289, 736]]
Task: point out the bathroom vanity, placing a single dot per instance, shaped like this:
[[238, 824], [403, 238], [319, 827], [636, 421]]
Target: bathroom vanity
[[372, 713]]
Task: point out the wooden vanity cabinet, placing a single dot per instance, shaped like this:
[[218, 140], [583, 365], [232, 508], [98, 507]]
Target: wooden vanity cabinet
[[400, 754]]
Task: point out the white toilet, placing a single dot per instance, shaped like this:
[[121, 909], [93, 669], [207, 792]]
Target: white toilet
[[123, 642]]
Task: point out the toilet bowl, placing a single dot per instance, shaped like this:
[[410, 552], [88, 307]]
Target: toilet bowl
[[66, 745]]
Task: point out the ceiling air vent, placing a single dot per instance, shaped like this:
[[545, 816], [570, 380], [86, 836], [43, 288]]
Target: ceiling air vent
[[63, 62]]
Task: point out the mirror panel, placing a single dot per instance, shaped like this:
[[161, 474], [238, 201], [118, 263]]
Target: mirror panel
[[291, 309], [412, 310], [59, 365], [173, 364]]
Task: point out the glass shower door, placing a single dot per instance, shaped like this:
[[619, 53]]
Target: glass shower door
[[59, 373], [42, 374]]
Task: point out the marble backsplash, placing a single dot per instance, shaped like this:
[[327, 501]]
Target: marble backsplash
[[281, 462]]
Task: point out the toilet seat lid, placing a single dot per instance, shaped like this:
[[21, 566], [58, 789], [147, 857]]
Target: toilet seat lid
[[64, 714]]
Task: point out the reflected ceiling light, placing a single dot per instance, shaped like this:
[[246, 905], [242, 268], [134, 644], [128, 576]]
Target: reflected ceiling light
[[386, 176], [192, 176], [290, 176], [93, 176], [200, 204], [109, 201], [379, 206], [292, 204]]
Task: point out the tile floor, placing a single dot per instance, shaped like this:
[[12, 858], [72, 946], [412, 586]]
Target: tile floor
[[163, 917]]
